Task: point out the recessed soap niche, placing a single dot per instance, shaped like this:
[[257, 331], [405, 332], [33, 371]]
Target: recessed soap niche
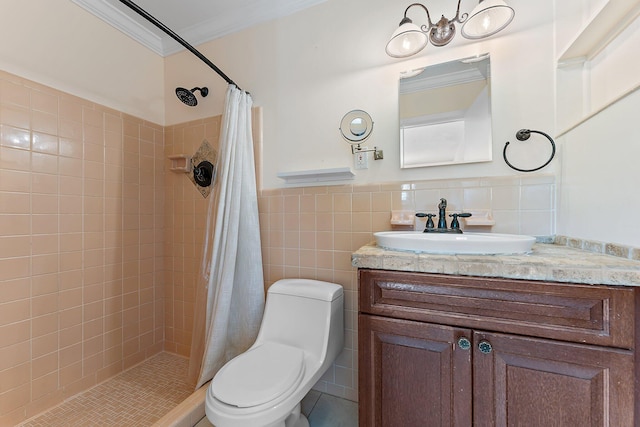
[[200, 167], [180, 163]]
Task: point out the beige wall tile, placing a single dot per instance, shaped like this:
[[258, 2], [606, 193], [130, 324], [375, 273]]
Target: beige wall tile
[[44, 264], [13, 355], [12, 246], [12, 290], [14, 377], [44, 385], [44, 163], [14, 311], [16, 94], [14, 268], [44, 143], [44, 183], [14, 159], [44, 365], [14, 203], [44, 284], [44, 344], [45, 102], [16, 116], [14, 137], [44, 203], [16, 181], [62, 235], [47, 223]]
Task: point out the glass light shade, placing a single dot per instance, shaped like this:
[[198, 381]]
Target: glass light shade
[[487, 18], [406, 40]]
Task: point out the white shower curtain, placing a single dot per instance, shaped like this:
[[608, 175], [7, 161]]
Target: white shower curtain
[[232, 268]]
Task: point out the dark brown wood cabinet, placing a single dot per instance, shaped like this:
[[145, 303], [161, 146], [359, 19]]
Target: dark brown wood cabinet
[[438, 350], [414, 376]]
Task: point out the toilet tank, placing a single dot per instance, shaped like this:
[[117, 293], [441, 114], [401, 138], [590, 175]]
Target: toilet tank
[[304, 313]]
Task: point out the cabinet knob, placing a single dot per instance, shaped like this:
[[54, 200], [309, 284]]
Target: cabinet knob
[[485, 347], [464, 343]]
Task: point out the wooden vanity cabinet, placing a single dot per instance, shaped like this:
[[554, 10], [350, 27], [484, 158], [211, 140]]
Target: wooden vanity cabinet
[[438, 350]]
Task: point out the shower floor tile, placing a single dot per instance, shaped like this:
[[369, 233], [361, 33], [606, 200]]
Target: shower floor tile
[[137, 397]]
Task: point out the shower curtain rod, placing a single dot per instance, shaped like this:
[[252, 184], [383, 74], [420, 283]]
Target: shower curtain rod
[[146, 15]]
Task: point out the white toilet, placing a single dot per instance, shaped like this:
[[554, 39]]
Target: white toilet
[[301, 334]]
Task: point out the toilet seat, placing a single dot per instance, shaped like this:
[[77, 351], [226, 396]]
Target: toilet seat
[[259, 375]]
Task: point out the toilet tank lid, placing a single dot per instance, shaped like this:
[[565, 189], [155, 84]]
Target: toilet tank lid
[[307, 288]]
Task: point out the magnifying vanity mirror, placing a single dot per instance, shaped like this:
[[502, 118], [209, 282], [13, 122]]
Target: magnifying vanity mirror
[[356, 126], [445, 114]]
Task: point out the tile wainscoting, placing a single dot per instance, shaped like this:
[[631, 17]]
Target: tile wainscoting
[[311, 232]]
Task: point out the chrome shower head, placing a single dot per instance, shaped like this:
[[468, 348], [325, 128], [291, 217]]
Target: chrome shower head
[[188, 97]]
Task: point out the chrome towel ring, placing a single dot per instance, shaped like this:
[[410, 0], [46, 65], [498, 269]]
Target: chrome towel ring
[[523, 135]]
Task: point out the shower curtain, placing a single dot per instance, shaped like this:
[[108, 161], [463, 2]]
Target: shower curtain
[[230, 299]]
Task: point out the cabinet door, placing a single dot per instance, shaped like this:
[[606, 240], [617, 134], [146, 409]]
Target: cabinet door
[[520, 381], [412, 374]]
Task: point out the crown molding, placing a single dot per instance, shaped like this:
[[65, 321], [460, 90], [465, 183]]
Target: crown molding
[[123, 22], [232, 20]]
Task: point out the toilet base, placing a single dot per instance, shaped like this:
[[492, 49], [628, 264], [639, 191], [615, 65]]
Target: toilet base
[[295, 419], [300, 422]]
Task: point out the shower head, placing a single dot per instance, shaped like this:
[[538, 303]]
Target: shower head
[[188, 97]]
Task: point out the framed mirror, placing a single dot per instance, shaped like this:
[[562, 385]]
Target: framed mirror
[[356, 126], [445, 114]]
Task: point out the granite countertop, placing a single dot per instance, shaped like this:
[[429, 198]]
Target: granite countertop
[[548, 262]]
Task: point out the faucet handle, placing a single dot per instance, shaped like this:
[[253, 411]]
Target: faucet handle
[[429, 219], [455, 224]]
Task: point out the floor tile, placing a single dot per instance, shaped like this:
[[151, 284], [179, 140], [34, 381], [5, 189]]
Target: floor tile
[[331, 411], [309, 402]]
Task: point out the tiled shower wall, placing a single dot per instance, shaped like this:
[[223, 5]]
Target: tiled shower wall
[[185, 221], [81, 235], [311, 232]]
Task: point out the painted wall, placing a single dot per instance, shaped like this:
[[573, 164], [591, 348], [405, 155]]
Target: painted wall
[[598, 193], [309, 69], [59, 44]]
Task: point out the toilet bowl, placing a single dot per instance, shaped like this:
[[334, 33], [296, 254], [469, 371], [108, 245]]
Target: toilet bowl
[[301, 334]]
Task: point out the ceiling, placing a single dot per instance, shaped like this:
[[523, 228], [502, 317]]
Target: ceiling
[[196, 21]]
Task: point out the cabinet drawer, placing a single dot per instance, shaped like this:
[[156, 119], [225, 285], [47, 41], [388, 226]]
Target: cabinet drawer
[[601, 315]]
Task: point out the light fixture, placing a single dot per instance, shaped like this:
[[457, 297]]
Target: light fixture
[[486, 19]]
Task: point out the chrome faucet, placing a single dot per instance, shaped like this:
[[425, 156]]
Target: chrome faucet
[[442, 220]]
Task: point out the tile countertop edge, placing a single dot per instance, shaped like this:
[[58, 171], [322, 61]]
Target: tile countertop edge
[[546, 262]]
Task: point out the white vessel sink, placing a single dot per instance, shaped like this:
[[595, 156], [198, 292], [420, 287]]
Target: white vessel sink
[[452, 243]]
